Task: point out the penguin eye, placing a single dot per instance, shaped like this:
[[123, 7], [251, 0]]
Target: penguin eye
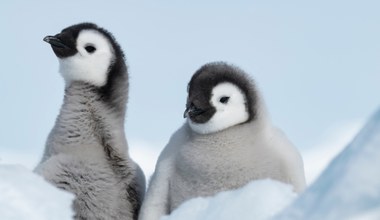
[[224, 99], [90, 48]]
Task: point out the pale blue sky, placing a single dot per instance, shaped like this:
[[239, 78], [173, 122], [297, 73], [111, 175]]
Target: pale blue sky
[[316, 63]]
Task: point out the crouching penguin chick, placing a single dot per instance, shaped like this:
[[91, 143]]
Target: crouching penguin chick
[[226, 142]]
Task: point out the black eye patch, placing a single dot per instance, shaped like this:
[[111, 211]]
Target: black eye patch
[[224, 99], [90, 49]]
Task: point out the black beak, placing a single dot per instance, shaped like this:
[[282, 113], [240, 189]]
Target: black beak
[[55, 42], [185, 113], [192, 111]]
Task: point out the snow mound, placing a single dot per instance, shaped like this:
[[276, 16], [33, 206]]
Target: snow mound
[[257, 200], [350, 187], [25, 195]]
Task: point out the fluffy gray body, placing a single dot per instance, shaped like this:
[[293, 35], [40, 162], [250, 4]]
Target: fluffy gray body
[[197, 164], [87, 153]]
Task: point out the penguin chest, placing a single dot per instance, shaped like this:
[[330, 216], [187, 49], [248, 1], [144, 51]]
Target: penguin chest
[[202, 165], [204, 169], [201, 170]]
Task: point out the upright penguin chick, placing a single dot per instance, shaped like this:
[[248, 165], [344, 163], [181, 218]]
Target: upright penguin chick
[[86, 152], [227, 142]]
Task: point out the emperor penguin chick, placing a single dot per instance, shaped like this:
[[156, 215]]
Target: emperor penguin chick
[[86, 152], [226, 142]]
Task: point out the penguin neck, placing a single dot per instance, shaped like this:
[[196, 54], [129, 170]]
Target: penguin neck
[[89, 98], [87, 122]]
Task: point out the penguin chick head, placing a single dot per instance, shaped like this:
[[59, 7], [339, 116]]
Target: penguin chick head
[[86, 53], [219, 96]]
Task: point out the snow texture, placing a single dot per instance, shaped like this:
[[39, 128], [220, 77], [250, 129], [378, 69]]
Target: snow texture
[[259, 200], [25, 195], [350, 187]]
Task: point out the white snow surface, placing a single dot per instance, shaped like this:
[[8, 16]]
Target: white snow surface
[[350, 187], [25, 195], [257, 200]]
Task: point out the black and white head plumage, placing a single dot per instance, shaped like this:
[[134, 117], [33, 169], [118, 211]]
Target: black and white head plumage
[[90, 54], [220, 95]]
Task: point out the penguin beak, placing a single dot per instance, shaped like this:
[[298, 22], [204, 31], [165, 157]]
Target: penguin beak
[[55, 42], [192, 111], [185, 113]]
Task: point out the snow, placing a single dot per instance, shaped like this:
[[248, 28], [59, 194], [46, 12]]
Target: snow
[[333, 141], [350, 187], [257, 200], [25, 195]]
